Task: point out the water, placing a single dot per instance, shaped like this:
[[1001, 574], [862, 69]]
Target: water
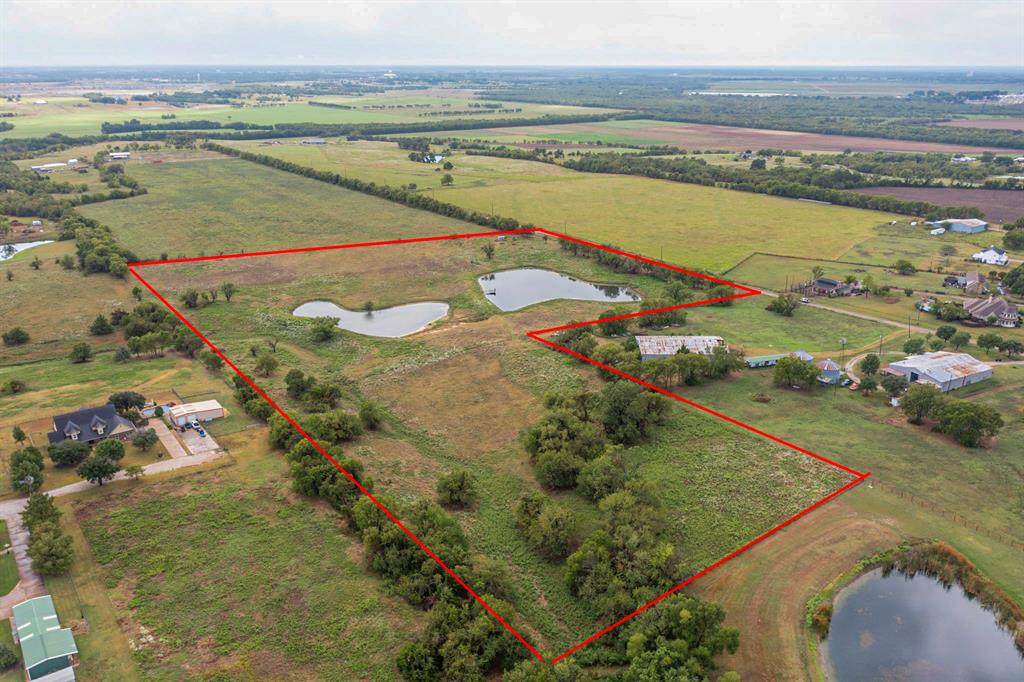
[[7, 251], [901, 629], [400, 320], [515, 289]]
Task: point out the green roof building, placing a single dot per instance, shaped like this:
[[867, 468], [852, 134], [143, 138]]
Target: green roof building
[[48, 650]]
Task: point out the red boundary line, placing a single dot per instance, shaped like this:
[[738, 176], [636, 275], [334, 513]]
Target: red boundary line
[[535, 335]]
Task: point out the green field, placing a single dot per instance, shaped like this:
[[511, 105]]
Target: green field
[[684, 224], [225, 206], [76, 116]]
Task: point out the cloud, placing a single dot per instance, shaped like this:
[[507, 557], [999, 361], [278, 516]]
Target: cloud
[[694, 32]]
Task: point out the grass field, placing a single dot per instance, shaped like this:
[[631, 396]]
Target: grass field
[[683, 224], [461, 392], [76, 116], [697, 136], [226, 205], [8, 567]]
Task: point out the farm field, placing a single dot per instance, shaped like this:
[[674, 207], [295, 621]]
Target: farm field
[[892, 243], [76, 116], [838, 87], [999, 206], [985, 123], [690, 225], [698, 136], [225, 205], [460, 393]]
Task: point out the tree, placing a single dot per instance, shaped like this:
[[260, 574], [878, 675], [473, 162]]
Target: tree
[[80, 352], [98, 469], [457, 489], [794, 372], [126, 400], [324, 328], [211, 361], [137, 293], [26, 469], [134, 471], [914, 346], [448, 165], [145, 439], [1011, 347], [15, 336], [39, 509], [919, 401], [50, 550], [110, 448], [190, 298], [18, 434], [68, 453], [298, 384], [817, 272], [372, 414], [613, 327], [558, 469], [967, 422], [447, 180], [36, 263], [868, 386], [894, 384], [228, 289], [870, 364], [936, 344], [945, 332], [100, 326], [122, 354], [323, 395], [758, 164], [989, 341], [784, 304], [959, 340], [600, 477], [488, 250], [904, 267], [266, 364]]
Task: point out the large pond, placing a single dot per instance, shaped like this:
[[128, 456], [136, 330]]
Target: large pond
[[8, 251], [902, 629], [400, 320], [515, 289]]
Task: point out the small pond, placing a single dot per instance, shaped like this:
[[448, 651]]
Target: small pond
[[7, 251], [904, 629], [515, 289], [400, 320]]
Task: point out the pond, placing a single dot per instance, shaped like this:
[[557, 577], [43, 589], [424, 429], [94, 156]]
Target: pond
[[7, 251], [400, 320], [515, 289], [915, 630]]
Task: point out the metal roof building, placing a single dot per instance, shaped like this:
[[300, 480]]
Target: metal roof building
[[49, 651], [204, 411], [772, 360], [946, 371], [652, 347]]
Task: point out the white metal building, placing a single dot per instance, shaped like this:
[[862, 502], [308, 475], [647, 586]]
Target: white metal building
[[203, 411], [946, 371], [652, 347]]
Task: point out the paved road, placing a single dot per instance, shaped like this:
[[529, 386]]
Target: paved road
[[31, 584], [170, 442]]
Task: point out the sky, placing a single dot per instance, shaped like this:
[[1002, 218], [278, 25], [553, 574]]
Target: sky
[[670, 33]]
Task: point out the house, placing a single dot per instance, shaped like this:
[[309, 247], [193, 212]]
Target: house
[[937, 231], [991, 256], [946, 371], [315, 140], [826, 286], [49, 651], [830, 372], [90, 425], [120, 155], [974, 283], [964, 225], [995, 311], [652, 347], [203, 411], [1020, 160], [962, 159], [772, 360], [37, 223]]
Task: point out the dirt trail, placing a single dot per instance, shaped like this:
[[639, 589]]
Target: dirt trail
[[764, 590]]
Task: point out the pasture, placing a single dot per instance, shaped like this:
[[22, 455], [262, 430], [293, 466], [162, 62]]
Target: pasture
[[460, 392], [999, 206], [698, 136], [688, 225]]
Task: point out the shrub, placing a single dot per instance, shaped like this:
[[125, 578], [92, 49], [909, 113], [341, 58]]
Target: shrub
[[68, 453], [15, 337], [457, 489]]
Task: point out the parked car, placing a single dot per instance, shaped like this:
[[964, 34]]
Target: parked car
[[195, 425], [804, 299], [201, 432]]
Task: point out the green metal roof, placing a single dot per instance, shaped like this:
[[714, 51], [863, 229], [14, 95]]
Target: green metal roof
[[38, 630]]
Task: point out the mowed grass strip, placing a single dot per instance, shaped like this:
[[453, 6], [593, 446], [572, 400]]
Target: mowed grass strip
[[218, 206]]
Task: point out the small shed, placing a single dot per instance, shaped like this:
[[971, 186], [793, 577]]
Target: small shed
[[48, 650], [830, 372], [203, 411]]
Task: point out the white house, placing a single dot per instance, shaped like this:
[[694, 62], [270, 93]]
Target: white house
[[991, 256]]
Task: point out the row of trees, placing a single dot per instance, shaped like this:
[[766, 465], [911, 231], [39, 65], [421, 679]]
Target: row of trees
[[964, 421]]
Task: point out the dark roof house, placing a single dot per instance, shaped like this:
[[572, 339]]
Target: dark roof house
[[89, 425], [999, 311]]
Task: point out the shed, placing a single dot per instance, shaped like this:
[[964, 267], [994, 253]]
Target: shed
[[120, 155], [830, 372], [965, 225], [203, 411], [946, 371], [49, 651]]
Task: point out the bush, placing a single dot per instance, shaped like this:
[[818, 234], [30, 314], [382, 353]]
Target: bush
[[110, 449], [600, 477], [8, 659], [372, 414], [457, 489], [126, 400], [15, 337], [100, 326], [68, 453], [80, 352], [558, 469]]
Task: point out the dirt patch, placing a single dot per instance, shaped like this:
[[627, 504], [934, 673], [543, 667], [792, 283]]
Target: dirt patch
[[1000, 206]]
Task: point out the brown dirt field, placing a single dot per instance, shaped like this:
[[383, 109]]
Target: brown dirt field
[[707, 136], [764, 590], [986, 123], [999, 206]]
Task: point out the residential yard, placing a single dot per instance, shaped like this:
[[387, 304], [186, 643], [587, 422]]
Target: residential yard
[[8, 567]]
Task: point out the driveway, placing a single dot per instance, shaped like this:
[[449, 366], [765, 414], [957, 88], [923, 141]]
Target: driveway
[[168, 439], [198, 445]]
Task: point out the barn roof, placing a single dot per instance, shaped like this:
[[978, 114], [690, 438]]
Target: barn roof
[[39, 633]]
